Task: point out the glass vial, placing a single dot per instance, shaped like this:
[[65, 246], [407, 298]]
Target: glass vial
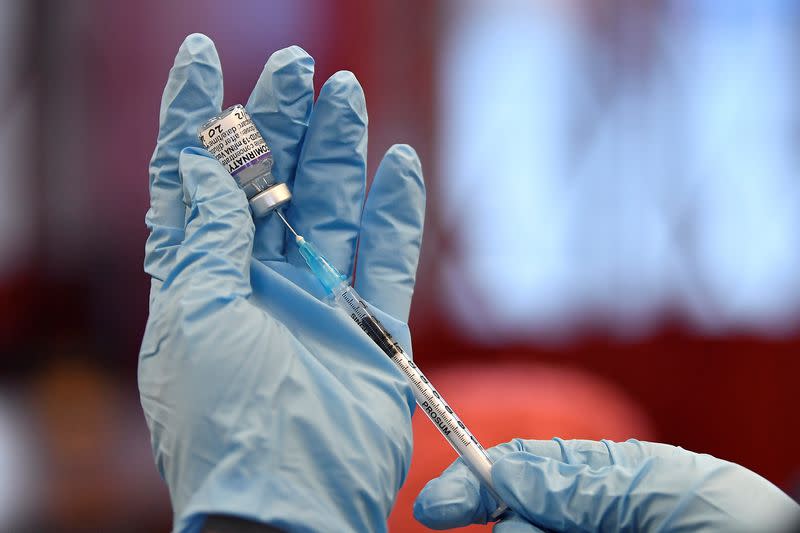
[[235, 141]]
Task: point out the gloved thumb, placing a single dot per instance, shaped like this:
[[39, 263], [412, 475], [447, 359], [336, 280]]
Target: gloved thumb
[[218, 241], [560, 496]]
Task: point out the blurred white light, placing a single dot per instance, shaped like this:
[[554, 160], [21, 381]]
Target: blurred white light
[[581, 183], [17, 474]]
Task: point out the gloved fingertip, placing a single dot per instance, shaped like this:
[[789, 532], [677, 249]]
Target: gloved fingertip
[[203, 177], [291, 55], [401, 171], [197, 39], [343, 88], [424, 510], [191, 151], [198, 46], [193, 158], [194, 88], [438, 516], [342, 79], [404, 150], [406, 156], [446, 503]]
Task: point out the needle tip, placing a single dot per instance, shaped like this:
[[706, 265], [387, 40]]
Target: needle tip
[[280, 215]]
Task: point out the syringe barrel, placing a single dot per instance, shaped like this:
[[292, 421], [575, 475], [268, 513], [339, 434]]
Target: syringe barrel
[[427, 397]]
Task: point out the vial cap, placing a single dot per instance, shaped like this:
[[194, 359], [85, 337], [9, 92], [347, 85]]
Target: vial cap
[[266, 201]]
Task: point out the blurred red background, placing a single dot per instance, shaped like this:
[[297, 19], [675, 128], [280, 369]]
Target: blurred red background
[[82, 86]]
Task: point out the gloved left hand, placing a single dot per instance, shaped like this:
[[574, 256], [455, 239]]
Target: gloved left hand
[[263, 401]]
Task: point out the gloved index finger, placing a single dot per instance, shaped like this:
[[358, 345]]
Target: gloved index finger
[[193, 94]]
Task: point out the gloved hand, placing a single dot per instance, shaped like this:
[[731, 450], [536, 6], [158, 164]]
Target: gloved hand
[[264, 402], [581, 485]]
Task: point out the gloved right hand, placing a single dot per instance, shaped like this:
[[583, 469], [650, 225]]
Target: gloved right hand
[[581, 485]]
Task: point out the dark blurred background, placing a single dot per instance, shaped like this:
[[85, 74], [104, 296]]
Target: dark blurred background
[[612, 244]]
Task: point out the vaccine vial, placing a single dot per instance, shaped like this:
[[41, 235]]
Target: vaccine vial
[[235, 141]]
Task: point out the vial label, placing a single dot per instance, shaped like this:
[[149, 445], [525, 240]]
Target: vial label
[[235, 141]]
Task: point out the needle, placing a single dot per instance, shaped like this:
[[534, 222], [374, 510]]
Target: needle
[[277, 212]]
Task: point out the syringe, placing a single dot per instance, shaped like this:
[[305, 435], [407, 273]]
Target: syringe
[[234, 140], [428, 399]]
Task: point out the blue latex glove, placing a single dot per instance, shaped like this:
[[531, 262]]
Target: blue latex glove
[[264, 402], [581, 485]]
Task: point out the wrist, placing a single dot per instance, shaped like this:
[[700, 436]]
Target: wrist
[[234, 524]]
